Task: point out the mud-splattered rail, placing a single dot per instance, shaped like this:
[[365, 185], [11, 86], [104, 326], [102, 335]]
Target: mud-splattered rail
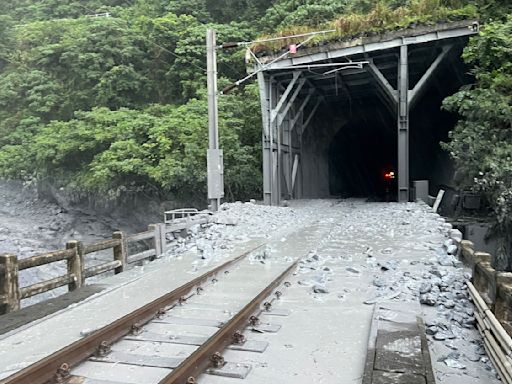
[[55, 368], [209, 354]]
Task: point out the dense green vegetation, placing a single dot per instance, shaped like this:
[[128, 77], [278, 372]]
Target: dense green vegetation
[[360, 20], [481, 143], [111, 106]]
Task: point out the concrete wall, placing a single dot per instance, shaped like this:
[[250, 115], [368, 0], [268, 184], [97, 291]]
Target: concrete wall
[[316, 141]]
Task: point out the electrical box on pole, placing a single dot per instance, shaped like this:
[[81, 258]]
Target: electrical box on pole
[[214, 154]]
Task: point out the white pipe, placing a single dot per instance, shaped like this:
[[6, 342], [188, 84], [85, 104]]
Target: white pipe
[[242, 43]]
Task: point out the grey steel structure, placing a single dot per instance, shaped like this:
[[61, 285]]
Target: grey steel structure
[[215, 159], [292, 92]]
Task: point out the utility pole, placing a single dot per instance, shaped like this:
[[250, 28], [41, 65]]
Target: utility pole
[[214, 154]]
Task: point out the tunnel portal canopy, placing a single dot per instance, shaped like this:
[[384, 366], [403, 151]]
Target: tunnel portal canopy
[[336, 116]]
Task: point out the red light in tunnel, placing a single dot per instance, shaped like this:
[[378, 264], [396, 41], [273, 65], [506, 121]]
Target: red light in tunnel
[[389, 175]]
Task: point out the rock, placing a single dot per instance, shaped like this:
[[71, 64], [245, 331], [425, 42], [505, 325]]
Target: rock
[[86, 332], [449, 304], [472, 356], [443, 335], [227, 221], [379, 282], [448, 243], [432, 330], [353, 270], [428, 300], [469, 322], [452, 363], [452, 249], [320, 289], [425, 287], [480, 350], [388, 265], [445, 260], [457, 318]]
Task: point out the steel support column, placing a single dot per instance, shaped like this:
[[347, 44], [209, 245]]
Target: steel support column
[[265, 97], [214, 154], [403, 125], [279, 164]]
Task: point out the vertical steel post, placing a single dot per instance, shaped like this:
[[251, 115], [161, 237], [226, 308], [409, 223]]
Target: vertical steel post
[[273, 151], [403, 125], [214, 195], [279, 157], [289, 157], [265, 90]]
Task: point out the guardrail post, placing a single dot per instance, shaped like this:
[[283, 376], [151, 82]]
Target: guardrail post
[[157, 240], [120, 253], [9, 284], [81, 255], [75, 265]]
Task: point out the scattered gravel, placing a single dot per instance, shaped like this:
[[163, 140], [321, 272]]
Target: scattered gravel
[[373, 252]]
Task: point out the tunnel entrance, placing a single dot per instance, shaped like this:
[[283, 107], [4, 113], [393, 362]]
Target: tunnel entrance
[[361, 118], [363, 155]]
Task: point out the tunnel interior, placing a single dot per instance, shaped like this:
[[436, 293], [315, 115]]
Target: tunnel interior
[[351, 147], [362, 152]]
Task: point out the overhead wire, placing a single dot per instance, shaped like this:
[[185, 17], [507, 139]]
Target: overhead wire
[[178, 56]]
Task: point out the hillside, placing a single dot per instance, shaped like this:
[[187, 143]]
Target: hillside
[[106, 98]]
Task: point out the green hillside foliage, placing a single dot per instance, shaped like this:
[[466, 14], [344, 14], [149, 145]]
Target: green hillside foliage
[[113, 106], [481, 143]]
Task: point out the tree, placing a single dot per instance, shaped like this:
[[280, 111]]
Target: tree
[[481, 143]]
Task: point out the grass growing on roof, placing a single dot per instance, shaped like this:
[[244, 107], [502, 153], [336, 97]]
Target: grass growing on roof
[[382, 18]]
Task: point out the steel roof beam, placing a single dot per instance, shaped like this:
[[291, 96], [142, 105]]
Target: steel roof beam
[[283, 98], [281, 115], [421, 85], [383, 82]]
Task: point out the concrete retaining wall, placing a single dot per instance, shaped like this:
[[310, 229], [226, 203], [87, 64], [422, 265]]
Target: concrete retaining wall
[[494, 286]]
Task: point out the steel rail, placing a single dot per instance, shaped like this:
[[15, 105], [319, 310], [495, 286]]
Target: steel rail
[[201, 359], [45, 370]]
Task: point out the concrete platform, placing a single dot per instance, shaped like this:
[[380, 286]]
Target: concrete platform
[[397, 347]]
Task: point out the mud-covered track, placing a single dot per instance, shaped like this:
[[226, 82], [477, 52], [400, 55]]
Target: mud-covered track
[[55, 368]]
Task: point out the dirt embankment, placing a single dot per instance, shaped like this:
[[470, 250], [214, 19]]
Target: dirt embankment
[[30, 224]]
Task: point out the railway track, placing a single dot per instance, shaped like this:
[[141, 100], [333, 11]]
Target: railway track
[[177, 337]]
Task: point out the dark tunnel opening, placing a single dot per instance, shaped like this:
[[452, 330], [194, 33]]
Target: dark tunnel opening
[[364, 149], [362, 152]]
